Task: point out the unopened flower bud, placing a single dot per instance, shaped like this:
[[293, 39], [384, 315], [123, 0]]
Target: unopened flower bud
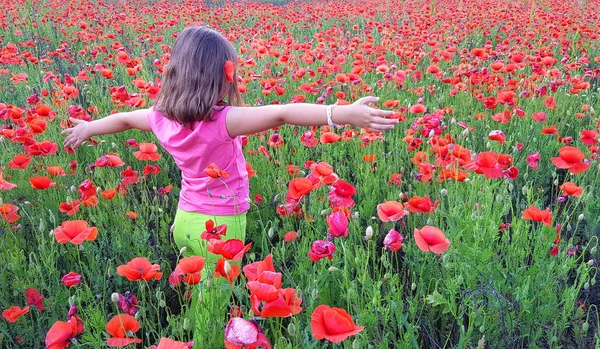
[[585, 327], [52, 233], [72, 300], [271, 232], [332, 269], [162, 303], [590, 262], [292, 329], [186, 324], [369, 233], [413, 286], [114, 297], [581, 217], [443, 192], [172, 228], [183, 250]]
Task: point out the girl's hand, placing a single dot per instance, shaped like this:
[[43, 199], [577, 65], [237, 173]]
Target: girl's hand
[[363, 116], [76, 135]]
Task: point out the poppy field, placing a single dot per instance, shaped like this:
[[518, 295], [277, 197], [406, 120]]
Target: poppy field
[[474, 223]]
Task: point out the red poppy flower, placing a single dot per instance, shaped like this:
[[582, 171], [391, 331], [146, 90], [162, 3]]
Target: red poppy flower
[[229, 70], [191, 268], [60, 334], [341, 194], [333, 324], [34, 298], [75, 232], [418, 108], [13, 313], [486, 164], [19, 161], [498, 136], [108, 194], [418, 204], [109, 160], [214, 172], [253, 270], [41, 183], [71, 279], [393, 240], [166, 343], [338, 224], [431, 239], [391, 211], [309, 140], [4, 185], [43, 148], [570, 188], [290, 236], [321, 249], [129, 176], [8, 212], [533, 213], [286, 304], [69, 208], [299, 187], [147, 152], [119, 328], [232, 249], [571, 158], [241, 333], [588, 137], [329, 137], [139, 269], [226, 270], [87, 189], [55, 171], [250, 171], [213, 232]]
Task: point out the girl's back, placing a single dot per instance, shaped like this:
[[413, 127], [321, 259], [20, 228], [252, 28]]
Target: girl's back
[[194, 150]]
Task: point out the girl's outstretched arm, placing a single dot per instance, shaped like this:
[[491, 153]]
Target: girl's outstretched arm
[[248, 120], [114, 123]]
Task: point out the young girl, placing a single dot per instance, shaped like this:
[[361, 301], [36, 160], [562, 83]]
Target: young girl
[[198, 120]]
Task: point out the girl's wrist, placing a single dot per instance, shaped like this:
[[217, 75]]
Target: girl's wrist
[[340, 115]]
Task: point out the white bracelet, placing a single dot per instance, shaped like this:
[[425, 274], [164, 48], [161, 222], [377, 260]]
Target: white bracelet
[[329, 121]]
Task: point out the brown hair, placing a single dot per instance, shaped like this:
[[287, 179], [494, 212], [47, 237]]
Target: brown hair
[[195, 81]]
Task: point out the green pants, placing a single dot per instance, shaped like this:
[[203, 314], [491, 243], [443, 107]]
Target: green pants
[[211, 297]]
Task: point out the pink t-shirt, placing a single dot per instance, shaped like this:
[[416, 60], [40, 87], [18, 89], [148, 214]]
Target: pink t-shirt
[[194, 150]]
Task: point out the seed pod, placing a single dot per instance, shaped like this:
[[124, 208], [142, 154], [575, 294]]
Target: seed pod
[[114, 297]]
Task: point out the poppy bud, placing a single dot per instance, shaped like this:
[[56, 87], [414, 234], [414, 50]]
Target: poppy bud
[[332, 269], [162, 303], [200, 297], [586, 286], [585, 327], [51, 233], [114, 297], [581, 217], [524, 190], [325, 212], [42, 226], [292, 329], [355, 215], [314, 294], [271, 233], [511, 187], [556, 181], [443, 192], [593, 250], [413, 286], [369, 233], [172, 228], [186, 324], [72, 300], [183, 250], [590, 262]]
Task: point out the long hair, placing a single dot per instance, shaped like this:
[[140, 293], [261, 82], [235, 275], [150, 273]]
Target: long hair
[[195, 80]]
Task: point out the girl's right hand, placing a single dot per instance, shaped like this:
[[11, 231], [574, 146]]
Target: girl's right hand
[[361, 115], [77, 134]]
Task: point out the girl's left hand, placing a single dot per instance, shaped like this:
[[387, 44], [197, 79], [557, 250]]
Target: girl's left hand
[[76, 135]]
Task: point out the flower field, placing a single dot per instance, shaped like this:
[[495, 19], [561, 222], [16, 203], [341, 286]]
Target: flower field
[[474, 223]]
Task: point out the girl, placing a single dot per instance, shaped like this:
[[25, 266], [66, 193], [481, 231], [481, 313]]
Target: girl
[[199, 121]]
